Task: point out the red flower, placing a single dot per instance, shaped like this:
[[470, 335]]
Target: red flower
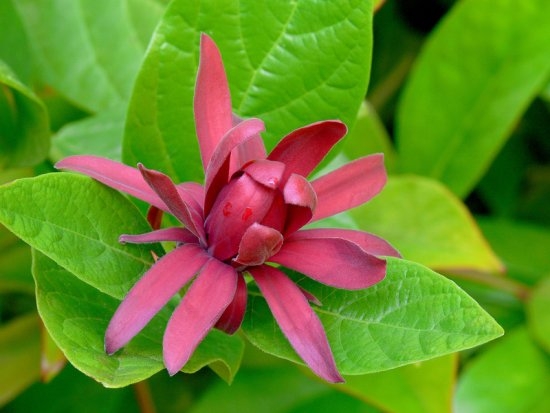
[[247, 215]]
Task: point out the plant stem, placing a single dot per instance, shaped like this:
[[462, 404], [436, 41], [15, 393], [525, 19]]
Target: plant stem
[[144, 397], [511, 286]]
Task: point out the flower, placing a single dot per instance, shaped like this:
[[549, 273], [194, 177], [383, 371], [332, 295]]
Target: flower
[[248, 214]]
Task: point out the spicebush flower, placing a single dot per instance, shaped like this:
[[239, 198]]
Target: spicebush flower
[[247, 214]]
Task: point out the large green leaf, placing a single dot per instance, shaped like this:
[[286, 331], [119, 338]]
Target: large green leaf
[[14, 45], [289, 63], [427, 224], [76, 222], [475, 77], [538, 311], [20, 355], [414, 314], [89, 50], [513, 377], [425, 387], [76, 316], [24, 127]]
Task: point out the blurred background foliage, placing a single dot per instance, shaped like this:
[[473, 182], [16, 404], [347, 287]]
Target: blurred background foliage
[[509, 196]]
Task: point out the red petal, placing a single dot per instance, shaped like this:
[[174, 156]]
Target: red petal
[[301, 201], [258, 244], [184, 209], [212, 103], [241, 203], [167, 234], [232, 317], [151, 293], [201, 307], [217, 172], [114, 174], [303, 149], [251, 150], [368, 242], [267, 173], [154, 217], [332, 261], [349, 186], [298, 322]]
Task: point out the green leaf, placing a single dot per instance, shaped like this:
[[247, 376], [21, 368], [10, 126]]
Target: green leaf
[[93, 57], [24, 127], [427, 224], [513, 376], [523, 247], [414, 314], [20, 355], [476, 76], [289, 63], [425, 387], [76, 315], [99, 135], [14, 45], [15, 264], [76, 222], [538, 312]]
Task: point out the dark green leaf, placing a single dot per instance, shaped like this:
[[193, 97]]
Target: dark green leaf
[[476, 76], [14, 45], [538, 311], [289, 63], [24, 128], [414, 314]]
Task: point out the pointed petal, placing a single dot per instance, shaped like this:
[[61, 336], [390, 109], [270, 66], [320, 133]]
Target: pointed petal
[[114, 174], [349, 186], [258, 244], [193, 190], [251, 150], [217, 172], [332, 261], [303, 149], [301, 201], [184, 209], [201, 307], [367, 242], [212, 102], [167, 234], [152, 292], [154, 217], [299, 323], [233, 316]]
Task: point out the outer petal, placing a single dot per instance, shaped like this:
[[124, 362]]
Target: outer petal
[[349, 186], [217, 172], [201, 307], [212, 103], [258, 244], [299, 323], [233, 316], [367, 242], [176, 234], [114, 174], [304, 148], [332, 261], [152, 292], [184, 209]]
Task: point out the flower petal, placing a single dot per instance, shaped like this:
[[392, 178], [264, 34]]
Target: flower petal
[[201, 307], [233, 316], [151, 293], [154, 217], [184, 208], [240, 203], [349, 186], [367, 242], [114, 174], [267, 173], [176, 234], [258, 244], [298, 322], [303, 149], [217, 172], [332, 261], [301, 202], [212, 102]]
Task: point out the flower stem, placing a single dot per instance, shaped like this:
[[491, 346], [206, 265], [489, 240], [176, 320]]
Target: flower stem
[[144, 397], [506, 284]]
